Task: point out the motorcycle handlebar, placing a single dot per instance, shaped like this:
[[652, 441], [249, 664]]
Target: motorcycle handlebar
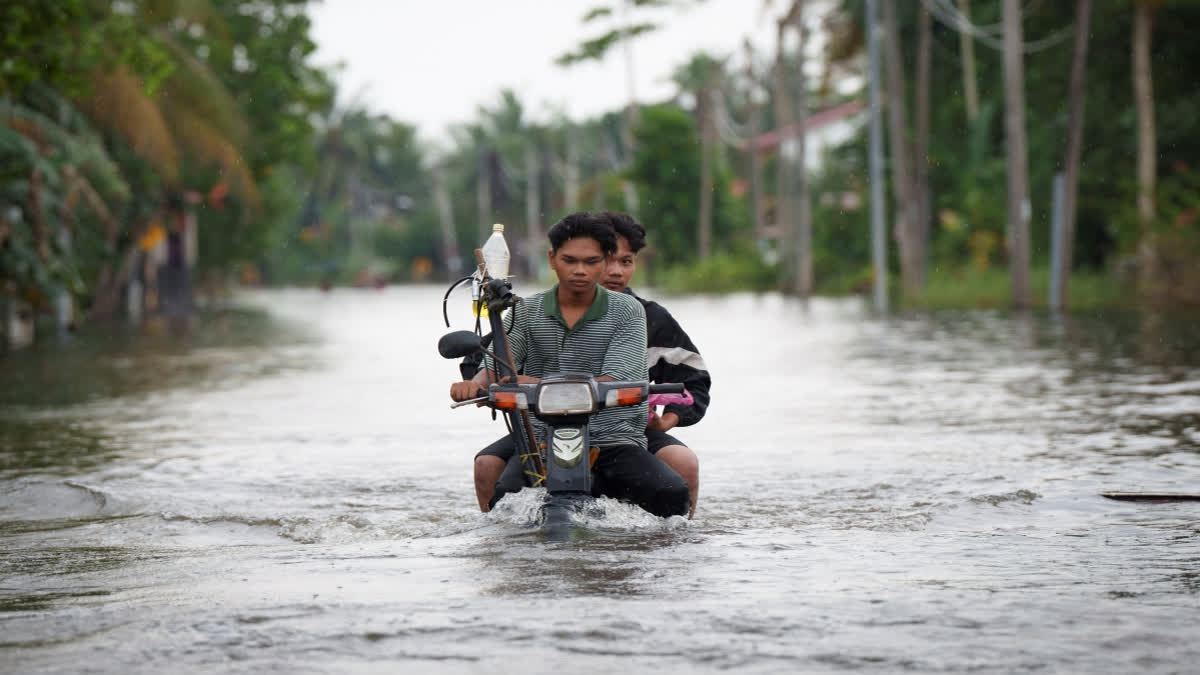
[[669, 388]]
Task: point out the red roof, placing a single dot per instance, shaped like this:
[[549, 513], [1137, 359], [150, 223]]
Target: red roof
[[817, 120]]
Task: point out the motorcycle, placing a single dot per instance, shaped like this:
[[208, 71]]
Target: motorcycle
[[565, 402]]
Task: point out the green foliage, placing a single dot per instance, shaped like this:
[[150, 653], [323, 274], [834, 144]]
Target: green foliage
[[56, 167], [971, 287], [366, 206], [724, 272], [225, 89], [967, 159], [61, 43], [108, 106], [666, 169], [595, 49]]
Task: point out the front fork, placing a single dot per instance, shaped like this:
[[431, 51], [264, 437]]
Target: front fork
[[499, 297]]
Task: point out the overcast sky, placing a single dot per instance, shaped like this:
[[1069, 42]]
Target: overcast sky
[[432, 62]]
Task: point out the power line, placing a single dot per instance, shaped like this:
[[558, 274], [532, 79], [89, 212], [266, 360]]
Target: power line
[[997, 28], [949, 15]]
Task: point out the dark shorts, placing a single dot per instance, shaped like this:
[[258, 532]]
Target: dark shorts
[[502, 448], [655, 441]]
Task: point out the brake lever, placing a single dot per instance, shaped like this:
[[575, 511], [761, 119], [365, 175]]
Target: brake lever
[[460, 404]]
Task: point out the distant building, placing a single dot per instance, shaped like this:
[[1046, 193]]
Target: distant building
[[825, 128]]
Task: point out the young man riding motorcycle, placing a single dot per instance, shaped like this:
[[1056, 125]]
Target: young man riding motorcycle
[[581, 327]]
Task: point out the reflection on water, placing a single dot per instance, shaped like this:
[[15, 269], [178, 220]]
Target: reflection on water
[[117, 360], [284, 487]]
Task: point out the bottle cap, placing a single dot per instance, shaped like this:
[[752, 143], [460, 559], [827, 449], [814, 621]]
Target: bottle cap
[[498, 227]]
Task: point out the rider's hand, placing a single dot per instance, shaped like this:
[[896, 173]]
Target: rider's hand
[[664, 422], [461, 391], [521, 379]]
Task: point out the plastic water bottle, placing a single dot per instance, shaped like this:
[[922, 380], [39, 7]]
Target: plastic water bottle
[[495, 253]]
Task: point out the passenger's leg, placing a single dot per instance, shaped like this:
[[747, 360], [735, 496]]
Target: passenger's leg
[[683, 460], [679, 457], [489, 465], [628, 472]]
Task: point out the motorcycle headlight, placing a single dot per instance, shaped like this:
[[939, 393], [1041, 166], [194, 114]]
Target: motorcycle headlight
[[566, 398]]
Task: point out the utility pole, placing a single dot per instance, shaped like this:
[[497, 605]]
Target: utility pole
[[756, 178], [706, 108], [804, 280], [784, 225], [878, 240]]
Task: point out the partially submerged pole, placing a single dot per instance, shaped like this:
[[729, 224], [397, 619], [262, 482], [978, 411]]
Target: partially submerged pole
[[1057, 270]]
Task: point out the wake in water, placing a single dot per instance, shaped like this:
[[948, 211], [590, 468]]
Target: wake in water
[[524, 510]]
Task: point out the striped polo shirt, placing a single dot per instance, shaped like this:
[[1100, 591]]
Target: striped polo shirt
[[609, 339]]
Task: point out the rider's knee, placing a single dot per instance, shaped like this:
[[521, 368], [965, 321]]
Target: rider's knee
[[488, 468]]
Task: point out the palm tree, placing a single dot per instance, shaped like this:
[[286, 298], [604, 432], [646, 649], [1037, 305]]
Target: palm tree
[[700, 77], [1075, 119], [1143, 92], [1018, 160], [903, 188], [189, 119], [56, 165]]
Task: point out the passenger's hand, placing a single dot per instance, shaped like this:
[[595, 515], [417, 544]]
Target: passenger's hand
[[461, 391], [664, 422]]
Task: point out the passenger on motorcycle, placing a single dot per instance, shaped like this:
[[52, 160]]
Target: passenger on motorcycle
[[670, 354]]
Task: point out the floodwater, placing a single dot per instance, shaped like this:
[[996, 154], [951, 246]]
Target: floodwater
[[284, 488]]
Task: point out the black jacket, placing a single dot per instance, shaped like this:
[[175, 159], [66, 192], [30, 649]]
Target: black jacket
[[670, 353], [674, 358]]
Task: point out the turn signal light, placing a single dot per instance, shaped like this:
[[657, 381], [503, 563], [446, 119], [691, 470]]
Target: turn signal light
[[625, 396], [510, 400]]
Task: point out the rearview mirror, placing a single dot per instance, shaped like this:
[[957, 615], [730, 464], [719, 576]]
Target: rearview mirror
[[458, 344]]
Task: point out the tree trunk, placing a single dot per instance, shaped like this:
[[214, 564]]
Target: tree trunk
[[534, 234], [571, 177], [705, 108], [804, 280], [1143, 92], [921, 153], [450, 256], [483, 196], [1018, 161], [967, 46], [1075, 120], [756, 178], [628, 189], [902, 179]]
